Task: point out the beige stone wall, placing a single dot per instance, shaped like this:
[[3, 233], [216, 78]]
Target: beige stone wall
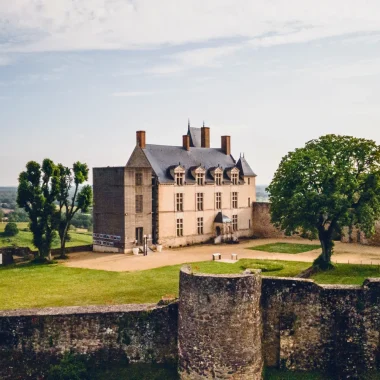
[[262, 226], [135, 220], [357, 236], [168, 215]]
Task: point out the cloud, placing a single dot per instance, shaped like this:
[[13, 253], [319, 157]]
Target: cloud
[[5, 61], [195, 58], [133, 93], [61, 25]]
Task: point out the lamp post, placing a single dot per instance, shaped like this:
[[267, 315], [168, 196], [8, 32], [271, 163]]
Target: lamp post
[[145, 245]]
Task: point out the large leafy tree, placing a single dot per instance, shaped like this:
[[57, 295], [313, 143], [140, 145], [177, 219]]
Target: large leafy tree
[[36, 194], [331, 183], [71, 197]]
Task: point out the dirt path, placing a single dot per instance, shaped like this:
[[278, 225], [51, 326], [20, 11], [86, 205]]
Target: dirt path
[[344, 253]]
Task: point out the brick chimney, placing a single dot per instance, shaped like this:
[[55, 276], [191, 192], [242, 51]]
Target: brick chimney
[[205, 139], [186, 142], [141, 139], [226, 145]]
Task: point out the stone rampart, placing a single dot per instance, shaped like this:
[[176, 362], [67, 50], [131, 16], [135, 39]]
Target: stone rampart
[[328, 328], [331, 328], [31, 340], [219, 329]]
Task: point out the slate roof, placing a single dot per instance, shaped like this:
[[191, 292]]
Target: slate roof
[[244, 167], [195, 137], [161, 157]]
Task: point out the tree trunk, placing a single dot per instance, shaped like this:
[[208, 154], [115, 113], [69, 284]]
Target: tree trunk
[[63, 245], [324, 259]]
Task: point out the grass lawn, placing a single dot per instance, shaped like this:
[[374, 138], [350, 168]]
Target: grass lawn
[[28, 286], [285, 247], [56, 285], [24, 238], [347, 274]]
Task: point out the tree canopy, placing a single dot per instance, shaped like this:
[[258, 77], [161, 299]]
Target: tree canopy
[[331, 183], [69, 205], [36, 194]]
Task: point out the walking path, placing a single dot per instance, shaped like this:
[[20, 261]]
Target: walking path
[[344, 253]]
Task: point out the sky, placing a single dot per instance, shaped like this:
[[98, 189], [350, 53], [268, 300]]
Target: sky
[[78, 78]]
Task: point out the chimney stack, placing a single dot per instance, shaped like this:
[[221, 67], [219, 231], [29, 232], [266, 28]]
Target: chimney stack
[[205, 139], [226, 145], [141, 139], [186, 142]]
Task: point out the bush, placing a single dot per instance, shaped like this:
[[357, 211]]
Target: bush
[[69, 368], [11, 229]]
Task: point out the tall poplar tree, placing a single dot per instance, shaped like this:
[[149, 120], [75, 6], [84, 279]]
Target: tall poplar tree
[[36, 194], [70, 181]]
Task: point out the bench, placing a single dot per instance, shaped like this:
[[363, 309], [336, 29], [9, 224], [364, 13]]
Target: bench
[[216, 256]]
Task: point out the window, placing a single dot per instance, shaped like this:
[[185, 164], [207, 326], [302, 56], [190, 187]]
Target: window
[[249, 181], [180, 178], [249, 202], [138, 179], [218, 179], [139, 204], [200, 201], [200, 226], [249, 224], [234, 200], [200, 179], [179, 227], [235, 178], [235, 222], [218, 201], [179, 201]]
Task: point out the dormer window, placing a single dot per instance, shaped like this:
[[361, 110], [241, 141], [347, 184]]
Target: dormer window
[[200, 179], [235, 178], [178, 174], [180, 179], [198, 173], [233, 175]]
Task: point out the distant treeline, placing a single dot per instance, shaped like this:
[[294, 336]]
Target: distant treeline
[[8, 197], [261, 194]]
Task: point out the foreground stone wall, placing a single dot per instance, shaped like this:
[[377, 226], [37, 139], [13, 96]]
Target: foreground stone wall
[[219, 331], [31, 340], [330, 328]]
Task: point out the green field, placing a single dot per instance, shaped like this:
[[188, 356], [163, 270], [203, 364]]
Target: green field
[[285, 247], [57, 285], [24, 238], [347, 274]]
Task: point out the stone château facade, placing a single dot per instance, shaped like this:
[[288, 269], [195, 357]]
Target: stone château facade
[[178, 195]]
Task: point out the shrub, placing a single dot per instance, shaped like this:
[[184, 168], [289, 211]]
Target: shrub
[[69, 368], [11, 229]]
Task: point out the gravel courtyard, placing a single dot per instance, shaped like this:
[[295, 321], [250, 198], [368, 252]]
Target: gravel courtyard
[[344, 253]]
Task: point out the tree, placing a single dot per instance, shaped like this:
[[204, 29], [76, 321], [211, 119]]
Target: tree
[[331, 183], [1, 214], [18, 215], [11, 229], [80, 198], [36, 194]]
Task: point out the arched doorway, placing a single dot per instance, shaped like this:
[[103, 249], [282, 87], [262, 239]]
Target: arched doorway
[[218, 231]]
